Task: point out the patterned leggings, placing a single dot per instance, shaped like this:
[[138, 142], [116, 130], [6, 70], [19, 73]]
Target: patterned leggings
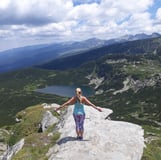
[[79, 121]]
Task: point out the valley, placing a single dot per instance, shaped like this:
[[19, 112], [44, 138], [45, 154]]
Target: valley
[[129, 84]]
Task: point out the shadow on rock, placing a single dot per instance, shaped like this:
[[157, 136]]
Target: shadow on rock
[[67, 139]]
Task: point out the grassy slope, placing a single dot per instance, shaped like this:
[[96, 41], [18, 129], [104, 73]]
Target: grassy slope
[[36, 144], [17, 92]]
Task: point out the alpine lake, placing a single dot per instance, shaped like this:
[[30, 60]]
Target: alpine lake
[[66, 91]]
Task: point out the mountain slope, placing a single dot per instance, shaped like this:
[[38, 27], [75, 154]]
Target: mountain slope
[[28, 56], [129, 84], [147, 46]]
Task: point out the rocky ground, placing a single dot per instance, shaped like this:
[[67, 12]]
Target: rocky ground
[[112, 140]]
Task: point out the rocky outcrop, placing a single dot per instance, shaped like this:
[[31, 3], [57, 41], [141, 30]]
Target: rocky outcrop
[[50, 106], [3, 144], [103, 139], [47, 121], [136, 85], [94, 80], [11, 151]]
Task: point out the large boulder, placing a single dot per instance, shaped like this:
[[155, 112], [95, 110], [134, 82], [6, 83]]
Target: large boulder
[[103, 138], [47, 121]]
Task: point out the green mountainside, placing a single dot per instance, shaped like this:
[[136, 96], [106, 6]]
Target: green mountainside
[[146, 46], [129, 84]]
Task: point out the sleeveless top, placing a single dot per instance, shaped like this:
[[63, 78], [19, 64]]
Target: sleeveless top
[[78, 108]]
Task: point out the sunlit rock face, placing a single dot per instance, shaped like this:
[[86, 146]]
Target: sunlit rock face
[[11, 151], [103, 139]]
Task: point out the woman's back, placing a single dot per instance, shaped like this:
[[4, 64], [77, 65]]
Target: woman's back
[[78, 108]]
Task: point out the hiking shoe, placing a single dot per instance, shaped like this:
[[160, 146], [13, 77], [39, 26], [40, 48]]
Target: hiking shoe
[[80, 138]]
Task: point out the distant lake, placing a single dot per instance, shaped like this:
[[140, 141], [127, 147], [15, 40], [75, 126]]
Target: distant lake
[[66, 91]]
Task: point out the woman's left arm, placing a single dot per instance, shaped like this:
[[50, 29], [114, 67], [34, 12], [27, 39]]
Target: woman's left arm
[[69, 102], [87, 102]]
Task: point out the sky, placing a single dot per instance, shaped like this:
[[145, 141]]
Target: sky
[[30, 22]]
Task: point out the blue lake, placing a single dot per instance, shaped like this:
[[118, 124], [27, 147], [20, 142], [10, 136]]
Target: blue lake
[[66, 91]]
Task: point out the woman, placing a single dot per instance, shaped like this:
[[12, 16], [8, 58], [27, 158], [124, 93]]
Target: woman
[[78, 113]]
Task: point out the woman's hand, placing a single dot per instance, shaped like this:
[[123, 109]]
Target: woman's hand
[[58, 108], [99, 109]]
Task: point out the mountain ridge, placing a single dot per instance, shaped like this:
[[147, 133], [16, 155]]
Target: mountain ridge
[[146, 46], [23, 57]]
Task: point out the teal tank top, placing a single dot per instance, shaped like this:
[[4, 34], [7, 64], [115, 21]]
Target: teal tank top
[[78, 108]]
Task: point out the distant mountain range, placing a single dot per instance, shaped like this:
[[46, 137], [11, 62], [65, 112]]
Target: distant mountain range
[[143, 46], [139, 36], [28, 56]]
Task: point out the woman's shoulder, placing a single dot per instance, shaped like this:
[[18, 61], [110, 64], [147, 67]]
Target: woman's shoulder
[[72, 100], [74, 97], [84, 98]]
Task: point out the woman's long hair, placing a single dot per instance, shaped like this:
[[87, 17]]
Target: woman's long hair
[[79, 94]]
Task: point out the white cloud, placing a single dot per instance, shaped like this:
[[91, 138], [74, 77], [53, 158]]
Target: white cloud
[[158, 14], [140, 20], [60, 20], [34, 12], [4, 4]]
